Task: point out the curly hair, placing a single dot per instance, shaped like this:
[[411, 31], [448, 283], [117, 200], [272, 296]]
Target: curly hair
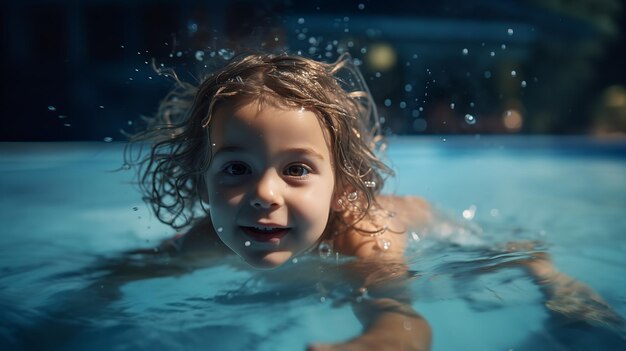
[[170, 176]]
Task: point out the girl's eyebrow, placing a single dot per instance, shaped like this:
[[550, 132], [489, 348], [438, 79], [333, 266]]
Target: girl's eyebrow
[[294, 150]]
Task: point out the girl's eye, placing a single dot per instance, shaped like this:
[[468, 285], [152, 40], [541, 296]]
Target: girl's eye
[[296, 171], [236, 169]]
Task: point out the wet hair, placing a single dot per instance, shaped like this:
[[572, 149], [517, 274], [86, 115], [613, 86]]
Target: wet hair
[[171, 174]]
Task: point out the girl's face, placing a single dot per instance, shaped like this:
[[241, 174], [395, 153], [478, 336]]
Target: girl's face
[[270, 182]]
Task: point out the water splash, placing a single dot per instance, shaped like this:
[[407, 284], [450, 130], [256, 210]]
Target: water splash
[[469, 119]]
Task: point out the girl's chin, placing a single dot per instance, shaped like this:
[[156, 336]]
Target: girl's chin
[[269, 260]]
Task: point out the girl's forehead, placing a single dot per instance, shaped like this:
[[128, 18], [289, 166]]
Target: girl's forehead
[[268, 125]]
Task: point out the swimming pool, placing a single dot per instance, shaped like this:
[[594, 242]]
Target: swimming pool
[[67, 217]]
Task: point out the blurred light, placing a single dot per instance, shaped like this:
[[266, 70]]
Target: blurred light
[[381, 57], [512, 120], [615, 96]]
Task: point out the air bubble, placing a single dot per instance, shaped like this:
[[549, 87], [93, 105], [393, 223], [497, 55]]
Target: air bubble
[[465, 51], [492, 54], [108, 139], [469, 119], [402, 104], [487, 74], [246, 243], [135, 208], [387, 102], [220, 229], [300, 20], [295, 260], [523, 84], [452, 106], [503, 46], [52, 108], [509, 31], [415, 236], [408, 88], [513, 74], [361, 6], [61, 116]]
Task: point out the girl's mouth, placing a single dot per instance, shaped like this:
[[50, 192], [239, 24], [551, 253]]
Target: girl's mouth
[[266, 234]]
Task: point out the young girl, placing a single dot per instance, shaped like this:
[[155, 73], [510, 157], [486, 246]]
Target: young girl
[[274, 156]]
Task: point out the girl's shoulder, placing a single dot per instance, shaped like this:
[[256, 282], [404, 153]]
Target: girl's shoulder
[[382, 232]]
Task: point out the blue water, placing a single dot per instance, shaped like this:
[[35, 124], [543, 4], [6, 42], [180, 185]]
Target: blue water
[[67, 217]]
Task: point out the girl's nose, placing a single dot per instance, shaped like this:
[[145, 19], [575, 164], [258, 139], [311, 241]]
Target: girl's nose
[[267, 193]]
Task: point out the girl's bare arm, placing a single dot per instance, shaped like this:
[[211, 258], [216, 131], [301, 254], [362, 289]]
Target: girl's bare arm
[[382, 303]]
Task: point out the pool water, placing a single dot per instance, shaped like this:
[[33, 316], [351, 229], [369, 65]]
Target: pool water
[[67, 217]]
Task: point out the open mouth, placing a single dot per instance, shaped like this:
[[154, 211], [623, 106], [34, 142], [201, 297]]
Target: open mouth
[[265, 234]]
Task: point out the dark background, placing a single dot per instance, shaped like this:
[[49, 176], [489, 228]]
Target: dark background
[[81, 70]]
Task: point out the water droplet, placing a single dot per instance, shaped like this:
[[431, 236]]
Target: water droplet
[[470, 212], [408, 88], [384, 244], [361, 6], [465, 51], [523, 84], [108, 139], [469, 119], [135, 208], [452, 106], [220, 229], [407, 325], [247, 243], [199, 55], [387, 102], [352, 196], [226, 54], [192, 27], [300, 20], [52, 108], [509, 31], [325, 248]]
